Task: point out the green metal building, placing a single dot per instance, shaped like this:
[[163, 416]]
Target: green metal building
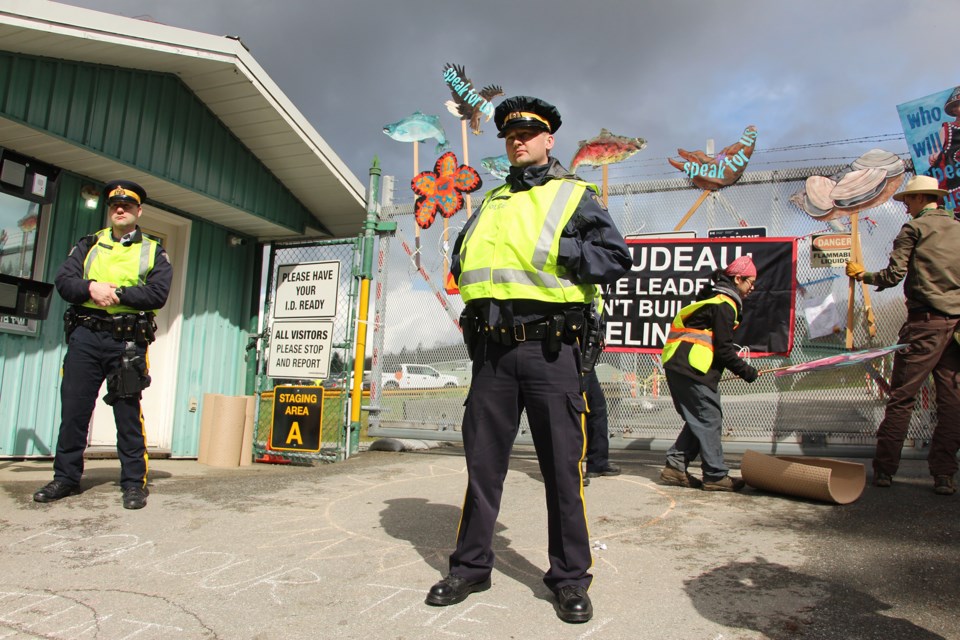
[[228, 164]]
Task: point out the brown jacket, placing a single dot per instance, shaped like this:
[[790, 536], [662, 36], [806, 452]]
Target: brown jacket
[[926, 252]]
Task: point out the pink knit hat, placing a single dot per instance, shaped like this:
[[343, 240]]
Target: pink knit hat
[[742, 266]]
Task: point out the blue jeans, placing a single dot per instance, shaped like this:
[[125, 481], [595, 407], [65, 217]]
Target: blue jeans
[[699, 406]]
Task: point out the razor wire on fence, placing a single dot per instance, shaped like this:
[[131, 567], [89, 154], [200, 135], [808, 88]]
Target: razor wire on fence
[[819, 411]]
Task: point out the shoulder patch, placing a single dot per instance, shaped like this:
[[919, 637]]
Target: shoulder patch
[[598, 200]]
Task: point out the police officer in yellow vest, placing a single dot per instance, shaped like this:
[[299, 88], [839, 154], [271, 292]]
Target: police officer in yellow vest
[[528, 264], [698, 349], [115, 279]]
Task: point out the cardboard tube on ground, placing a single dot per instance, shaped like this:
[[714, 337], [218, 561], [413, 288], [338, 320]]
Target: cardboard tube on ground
[[816, 478], [226, 435], [246, 450], [208, 414]]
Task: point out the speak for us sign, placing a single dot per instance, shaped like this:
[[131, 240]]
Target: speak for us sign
[[667, 274]]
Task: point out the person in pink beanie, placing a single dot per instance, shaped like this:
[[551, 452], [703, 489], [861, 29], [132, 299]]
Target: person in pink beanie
[[697, 351]]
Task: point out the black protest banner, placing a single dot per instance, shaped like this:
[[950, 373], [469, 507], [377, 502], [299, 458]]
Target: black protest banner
[[668, 273]]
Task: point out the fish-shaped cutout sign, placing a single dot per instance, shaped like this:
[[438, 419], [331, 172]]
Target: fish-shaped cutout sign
[[418, 127], [498, 166], [606, 148], [442, 189], [714, 172]]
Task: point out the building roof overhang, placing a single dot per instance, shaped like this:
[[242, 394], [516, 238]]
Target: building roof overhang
[[223, 74]]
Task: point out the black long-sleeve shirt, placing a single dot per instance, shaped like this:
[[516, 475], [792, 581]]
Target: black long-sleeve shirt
[[720, 319], [75, 289], [591, 248]]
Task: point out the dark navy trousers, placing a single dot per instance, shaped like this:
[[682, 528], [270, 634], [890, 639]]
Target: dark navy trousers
[[507, 380], [91, 355], [598, 429]]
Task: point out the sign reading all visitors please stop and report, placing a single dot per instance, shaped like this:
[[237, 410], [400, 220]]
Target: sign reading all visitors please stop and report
[[301, 336]]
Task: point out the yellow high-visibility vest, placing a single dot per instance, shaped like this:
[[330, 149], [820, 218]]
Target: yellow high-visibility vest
[[701, 340], [510, 252], [110, 261]]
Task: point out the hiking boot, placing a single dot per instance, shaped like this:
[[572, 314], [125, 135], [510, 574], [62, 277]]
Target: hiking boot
[[135, 497], [943, 485], [677, 478], [726, 483], [881, 479], [609, 470], [55, 490]]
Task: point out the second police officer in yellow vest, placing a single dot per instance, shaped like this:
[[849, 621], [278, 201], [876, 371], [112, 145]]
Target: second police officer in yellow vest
[[115, 279], [528, 265]]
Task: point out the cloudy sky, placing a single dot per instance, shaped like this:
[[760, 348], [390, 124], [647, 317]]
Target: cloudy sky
[[675, 73]]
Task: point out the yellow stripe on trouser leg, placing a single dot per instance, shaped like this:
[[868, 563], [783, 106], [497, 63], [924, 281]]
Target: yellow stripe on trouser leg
[[146, 457], [583, 454]]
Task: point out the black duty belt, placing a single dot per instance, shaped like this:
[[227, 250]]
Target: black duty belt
[[96, 323], [517, 333], [109, 323]]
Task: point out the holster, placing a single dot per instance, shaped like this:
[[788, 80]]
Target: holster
[[146, 328], [472, 331], [130, 378], [591, 344], [71, 320], [556, 332]]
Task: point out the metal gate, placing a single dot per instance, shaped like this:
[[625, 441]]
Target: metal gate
[[336, 442], [816, 413]]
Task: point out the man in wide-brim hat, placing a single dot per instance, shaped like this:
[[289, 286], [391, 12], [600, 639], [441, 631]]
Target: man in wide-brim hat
[[925, 254]]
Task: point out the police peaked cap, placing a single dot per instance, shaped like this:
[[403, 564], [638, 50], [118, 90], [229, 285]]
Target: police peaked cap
[[524, 111], [124, 191]]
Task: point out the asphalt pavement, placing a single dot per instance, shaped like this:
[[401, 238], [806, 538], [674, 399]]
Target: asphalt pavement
[[348, 550]]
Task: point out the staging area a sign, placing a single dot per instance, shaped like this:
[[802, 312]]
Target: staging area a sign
[[297, 418]]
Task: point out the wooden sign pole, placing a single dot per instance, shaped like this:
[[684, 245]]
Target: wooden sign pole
[[416, 227], [857, 250], [857, 255], [696, 205], [604, 189], [852, 290]]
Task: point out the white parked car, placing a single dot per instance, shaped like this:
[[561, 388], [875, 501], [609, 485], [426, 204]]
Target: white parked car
[[416, 376]]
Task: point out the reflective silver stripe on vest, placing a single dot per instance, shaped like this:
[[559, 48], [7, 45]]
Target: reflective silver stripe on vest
[[541, 252], [550, 224], [680, 334], [145, 248]]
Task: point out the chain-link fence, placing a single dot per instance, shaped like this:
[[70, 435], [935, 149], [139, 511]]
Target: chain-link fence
[[816, 412], [335, 442]]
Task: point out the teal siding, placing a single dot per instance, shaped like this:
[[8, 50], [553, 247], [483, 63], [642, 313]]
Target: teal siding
[[30, 366], [147, 120], [216, 315], [215, 320]]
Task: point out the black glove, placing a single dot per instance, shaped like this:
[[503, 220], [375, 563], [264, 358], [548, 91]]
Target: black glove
[[751, 374]]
